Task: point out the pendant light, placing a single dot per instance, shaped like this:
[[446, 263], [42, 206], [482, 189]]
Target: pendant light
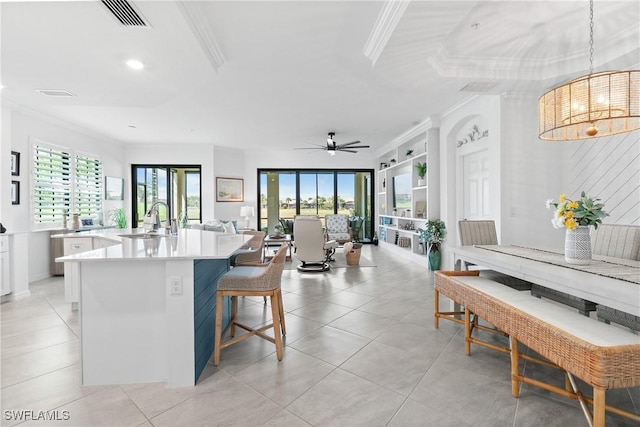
[[591, 106]]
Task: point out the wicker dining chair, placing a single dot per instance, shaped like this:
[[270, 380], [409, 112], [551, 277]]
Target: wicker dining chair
[[483, 232], [264, 281]]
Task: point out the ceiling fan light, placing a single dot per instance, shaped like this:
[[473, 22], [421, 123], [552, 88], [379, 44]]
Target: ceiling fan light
[[332, 152]]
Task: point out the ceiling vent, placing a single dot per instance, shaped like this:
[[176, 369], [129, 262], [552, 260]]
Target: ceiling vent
[[125, 13], [54, 92], [479, 87]]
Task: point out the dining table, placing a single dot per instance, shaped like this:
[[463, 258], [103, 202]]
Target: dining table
[[614, 282]]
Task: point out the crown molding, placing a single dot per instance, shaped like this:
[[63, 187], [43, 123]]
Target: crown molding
[[385, 25], [194, 15]]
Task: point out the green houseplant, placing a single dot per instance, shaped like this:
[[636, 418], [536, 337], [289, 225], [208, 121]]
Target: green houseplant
[[432, 235], [119, 218], [421, 168]]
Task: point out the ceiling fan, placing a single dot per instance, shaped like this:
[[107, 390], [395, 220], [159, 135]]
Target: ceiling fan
[[332, 148]]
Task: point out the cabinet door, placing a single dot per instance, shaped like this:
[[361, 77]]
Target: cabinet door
[[75, 245], [5, 285]]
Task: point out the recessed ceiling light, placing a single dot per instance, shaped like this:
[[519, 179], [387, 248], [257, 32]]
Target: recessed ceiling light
[[135, 64]]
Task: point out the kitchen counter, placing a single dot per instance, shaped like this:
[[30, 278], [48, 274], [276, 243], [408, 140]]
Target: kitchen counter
[[147, 305], [187, 244]]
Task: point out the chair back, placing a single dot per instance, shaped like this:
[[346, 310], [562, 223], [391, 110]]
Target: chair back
[[619, 241], [256, 240], [276, 266], [310, 239], [477, 232], [338, 227]]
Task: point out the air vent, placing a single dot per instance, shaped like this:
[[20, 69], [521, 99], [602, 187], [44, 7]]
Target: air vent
[[54, 92], [125, 13], [479, 87]]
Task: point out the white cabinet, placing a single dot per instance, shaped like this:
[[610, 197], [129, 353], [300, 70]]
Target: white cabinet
[[75, 245], [405, 201], [5, 284]]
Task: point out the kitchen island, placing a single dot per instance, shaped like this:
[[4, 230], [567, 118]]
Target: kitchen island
[[147, 305]]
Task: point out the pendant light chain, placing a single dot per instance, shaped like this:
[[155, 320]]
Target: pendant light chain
[[591, 36]]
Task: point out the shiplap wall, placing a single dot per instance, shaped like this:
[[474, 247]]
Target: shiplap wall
[[609, 168]]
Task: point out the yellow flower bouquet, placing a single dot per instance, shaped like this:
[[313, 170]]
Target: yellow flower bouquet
[[570, 214]]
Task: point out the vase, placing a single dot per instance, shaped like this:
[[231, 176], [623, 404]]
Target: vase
[[577, 245], [433, 257]]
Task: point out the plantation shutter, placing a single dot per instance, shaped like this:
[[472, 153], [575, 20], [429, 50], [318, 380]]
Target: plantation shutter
[[88, 187], [51, 185]]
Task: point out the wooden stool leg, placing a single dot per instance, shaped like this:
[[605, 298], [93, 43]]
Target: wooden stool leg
[[218, 329], [234, 313], [515, 371], [281, 306], [275, 313], [598, 407], [436, 308], [467, 331]]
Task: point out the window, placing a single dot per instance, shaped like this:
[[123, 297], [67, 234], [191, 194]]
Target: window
[[63, 183], [285, 193], [176, 185]]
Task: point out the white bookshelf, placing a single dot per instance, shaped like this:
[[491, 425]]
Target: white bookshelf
[[398, 228]]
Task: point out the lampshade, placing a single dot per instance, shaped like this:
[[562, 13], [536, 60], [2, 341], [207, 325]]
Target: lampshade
[[595, 105], [246, 211]]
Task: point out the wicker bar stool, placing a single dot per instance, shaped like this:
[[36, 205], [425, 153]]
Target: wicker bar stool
[[262, 280]]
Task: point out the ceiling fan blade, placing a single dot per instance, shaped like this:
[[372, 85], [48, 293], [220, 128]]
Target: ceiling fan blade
[[313, 147], [348, 151], [354, 146], [349, 143]]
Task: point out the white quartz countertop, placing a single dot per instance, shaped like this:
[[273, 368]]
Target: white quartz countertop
[[188, 244]]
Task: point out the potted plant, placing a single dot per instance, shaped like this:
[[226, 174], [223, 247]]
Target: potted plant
[[432, 235], [421, 168], [119, 218]]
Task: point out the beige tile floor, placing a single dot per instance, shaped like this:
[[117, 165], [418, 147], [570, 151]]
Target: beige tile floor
[[361, 349]]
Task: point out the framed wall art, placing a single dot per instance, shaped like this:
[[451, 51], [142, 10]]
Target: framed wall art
[[229, 189], [15, 192], [113, 188], [15, 163]]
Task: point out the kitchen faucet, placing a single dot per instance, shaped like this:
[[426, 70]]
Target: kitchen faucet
[[152, 218]]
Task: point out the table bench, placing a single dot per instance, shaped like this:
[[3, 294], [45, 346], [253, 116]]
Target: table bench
[[604, 356]]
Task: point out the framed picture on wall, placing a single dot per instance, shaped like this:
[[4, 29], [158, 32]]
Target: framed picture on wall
[[113, 188], [15, 163], [229, 189], [15, 192]]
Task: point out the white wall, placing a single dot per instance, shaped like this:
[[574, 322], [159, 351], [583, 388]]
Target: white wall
[[526, 171], [23, 129]]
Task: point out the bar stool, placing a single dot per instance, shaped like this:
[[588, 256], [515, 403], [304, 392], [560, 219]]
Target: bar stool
[[261, 280]]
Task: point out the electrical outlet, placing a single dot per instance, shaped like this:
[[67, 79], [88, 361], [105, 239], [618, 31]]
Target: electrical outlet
[[175, 285]]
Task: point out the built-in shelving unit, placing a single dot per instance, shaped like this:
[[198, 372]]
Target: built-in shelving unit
[[405, 202]]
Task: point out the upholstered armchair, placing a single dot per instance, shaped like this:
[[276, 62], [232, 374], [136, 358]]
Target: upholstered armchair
[[338, 228], [313, 251]]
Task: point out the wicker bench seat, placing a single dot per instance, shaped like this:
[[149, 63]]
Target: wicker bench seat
[[604, 356]]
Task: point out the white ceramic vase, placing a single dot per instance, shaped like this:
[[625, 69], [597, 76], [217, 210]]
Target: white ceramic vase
[[577, 245]]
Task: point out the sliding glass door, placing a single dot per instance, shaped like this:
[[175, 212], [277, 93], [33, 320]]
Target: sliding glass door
[[285, 193], [178, 186]]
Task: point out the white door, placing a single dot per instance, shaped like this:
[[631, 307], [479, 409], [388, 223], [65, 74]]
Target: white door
[[476, 185]]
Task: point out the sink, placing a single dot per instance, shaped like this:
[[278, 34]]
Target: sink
[[143, 236]]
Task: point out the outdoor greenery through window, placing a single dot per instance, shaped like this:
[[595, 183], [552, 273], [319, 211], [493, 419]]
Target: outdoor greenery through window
[[287, 193], [64, 183]]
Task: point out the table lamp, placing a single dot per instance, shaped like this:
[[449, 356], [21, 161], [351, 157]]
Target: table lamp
[[246, 212]]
